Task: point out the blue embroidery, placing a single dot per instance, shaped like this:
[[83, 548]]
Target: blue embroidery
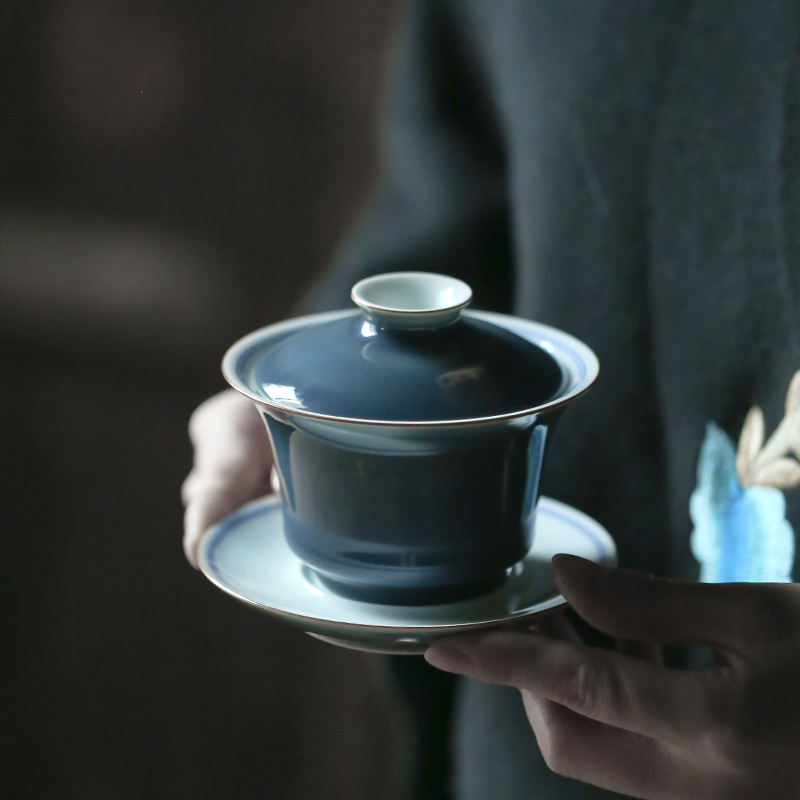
[[740, 534]]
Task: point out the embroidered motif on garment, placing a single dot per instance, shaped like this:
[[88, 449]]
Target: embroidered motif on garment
[[738, 509]]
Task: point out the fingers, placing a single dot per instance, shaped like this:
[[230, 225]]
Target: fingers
[[742, 618], [589, 751], [646, 651], [231, 464], [557, 626], [605, 686], [225, 426]]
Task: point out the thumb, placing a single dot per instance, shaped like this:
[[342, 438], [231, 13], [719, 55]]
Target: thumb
[[635, 605]]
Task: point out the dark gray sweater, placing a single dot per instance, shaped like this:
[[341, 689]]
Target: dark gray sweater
[[629, 171]]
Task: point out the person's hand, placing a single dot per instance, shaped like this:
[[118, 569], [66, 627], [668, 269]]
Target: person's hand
[[232, 463], [727, 732]]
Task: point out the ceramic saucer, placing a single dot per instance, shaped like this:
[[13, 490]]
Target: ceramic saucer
[[246, 556]]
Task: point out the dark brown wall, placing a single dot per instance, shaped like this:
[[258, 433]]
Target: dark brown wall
[[247, 126], [171, 175]]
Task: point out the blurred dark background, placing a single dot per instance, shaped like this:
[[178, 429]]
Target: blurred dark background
[[172, 175]]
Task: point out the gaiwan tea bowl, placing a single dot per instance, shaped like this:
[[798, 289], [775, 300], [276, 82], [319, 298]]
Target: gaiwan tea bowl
[[409, 434]]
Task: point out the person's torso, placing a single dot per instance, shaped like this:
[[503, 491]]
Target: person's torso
[[654, 180]]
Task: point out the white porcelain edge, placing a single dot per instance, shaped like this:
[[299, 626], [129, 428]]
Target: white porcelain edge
[[330, 627], [558, 343]]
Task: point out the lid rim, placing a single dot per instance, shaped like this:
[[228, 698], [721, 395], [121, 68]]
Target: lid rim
[[581, 386]]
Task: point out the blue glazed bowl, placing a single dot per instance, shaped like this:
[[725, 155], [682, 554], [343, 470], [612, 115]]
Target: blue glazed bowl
[[409, 436]]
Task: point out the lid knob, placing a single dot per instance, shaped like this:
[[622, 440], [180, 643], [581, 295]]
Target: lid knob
[[411, 300]]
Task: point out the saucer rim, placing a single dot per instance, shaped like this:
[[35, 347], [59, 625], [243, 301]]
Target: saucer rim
[[312, 624]]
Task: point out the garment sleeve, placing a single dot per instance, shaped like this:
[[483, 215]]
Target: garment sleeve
[[441, 205]]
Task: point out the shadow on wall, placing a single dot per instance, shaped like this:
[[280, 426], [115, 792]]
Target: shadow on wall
[[172, 174]]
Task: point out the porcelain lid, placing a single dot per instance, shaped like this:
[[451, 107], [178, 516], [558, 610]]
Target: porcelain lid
[[409, 357]]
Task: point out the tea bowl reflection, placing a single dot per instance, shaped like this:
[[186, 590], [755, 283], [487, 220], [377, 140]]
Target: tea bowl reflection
[[409, 436]]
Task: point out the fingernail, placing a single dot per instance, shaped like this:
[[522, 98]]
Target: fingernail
[[570, 566], [448, 658], [574, 572]]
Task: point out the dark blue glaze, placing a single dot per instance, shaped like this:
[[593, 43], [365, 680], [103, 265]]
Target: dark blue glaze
[[411, 528], [349, 368]]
